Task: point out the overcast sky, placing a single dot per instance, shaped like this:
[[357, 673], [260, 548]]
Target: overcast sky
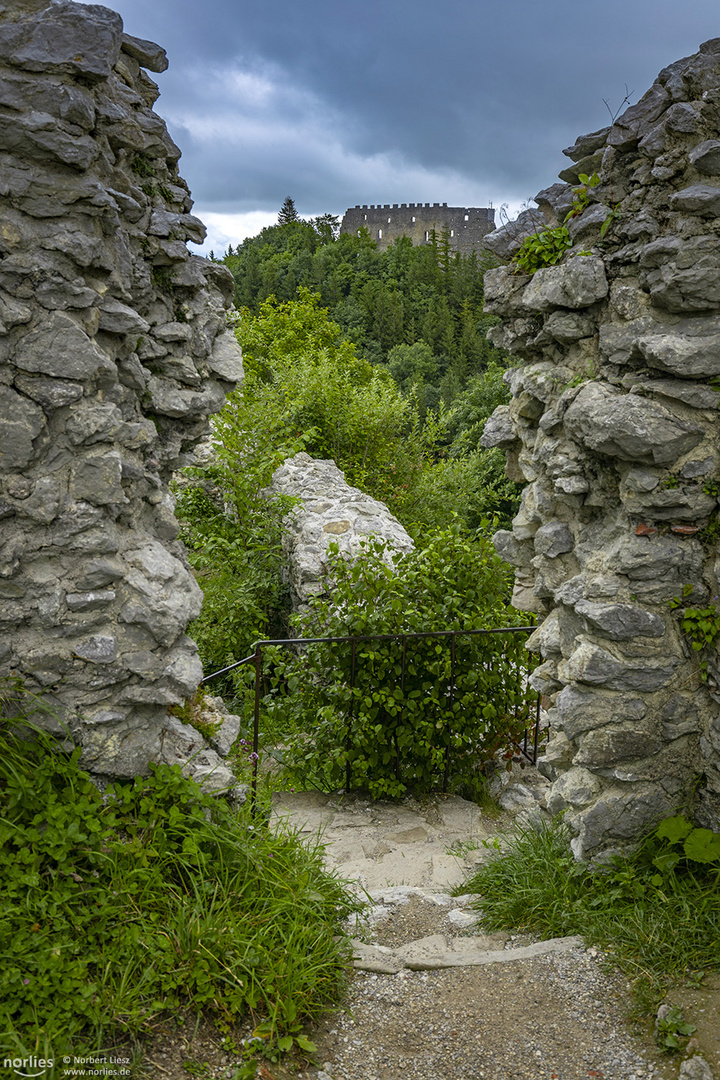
[[338, 102]]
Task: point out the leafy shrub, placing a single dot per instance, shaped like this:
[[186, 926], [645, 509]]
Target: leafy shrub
[[306, 389], [307, 385], [472, 491], [117, 907], [231, 526], [397, 714]]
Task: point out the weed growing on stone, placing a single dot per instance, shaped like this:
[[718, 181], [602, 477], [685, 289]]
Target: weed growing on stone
[[581, 194], [548, 246], [656, 911], [117, 908], [673, 1030], [542, 249], [700, 625]]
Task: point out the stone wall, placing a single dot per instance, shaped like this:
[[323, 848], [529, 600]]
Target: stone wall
[[113, 353], [329, 510], [468, 225], [613, 424]]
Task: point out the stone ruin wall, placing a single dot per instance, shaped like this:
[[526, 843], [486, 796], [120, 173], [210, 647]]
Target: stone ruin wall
[[613, 426], [329, 510], [113, 353]]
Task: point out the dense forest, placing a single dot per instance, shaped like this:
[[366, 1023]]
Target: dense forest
[[417, 309], [378, 360]]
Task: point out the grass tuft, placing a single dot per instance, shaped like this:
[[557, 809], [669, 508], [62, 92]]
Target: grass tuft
[[655, 912], [119, 907]]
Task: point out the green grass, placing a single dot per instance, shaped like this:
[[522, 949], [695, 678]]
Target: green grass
[[656, 912], [117, 909]]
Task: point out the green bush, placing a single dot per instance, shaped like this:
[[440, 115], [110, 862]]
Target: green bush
[[307, 385], [403, 715], [117, 907], [306, 389]]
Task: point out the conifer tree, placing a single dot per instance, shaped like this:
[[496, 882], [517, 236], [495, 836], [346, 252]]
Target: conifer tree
[[288, 213]]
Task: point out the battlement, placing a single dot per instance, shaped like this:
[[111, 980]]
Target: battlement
[[387, 222]]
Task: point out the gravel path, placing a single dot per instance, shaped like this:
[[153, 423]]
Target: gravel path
[[555, 1017]]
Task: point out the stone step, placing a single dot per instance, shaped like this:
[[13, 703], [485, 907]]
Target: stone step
[[436, 951]]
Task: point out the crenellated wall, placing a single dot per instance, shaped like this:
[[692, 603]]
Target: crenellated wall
[[466, 225], [613, 424], [114, 351]]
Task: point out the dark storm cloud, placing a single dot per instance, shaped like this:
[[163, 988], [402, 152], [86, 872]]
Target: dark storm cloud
[[338, 102]]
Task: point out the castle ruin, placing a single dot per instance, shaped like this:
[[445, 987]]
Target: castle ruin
[[467, 225], [114, 351]]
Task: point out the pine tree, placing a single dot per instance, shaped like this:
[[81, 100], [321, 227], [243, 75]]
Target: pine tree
[[288, 213]]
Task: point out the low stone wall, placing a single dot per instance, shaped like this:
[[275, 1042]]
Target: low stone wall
[[113, 353], [329, 510], [613, 425]]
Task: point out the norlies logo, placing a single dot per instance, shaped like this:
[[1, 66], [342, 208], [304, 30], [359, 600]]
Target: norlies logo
[[22, 1066]]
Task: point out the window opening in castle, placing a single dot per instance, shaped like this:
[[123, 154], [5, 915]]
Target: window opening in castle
[[467, 217], [388, 221], [379, 234], [452, 232], [413, 221], [427, 235]]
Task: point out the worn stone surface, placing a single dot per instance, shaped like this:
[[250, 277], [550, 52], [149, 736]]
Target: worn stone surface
[[695, 1068], [436, 952], [328, 511], [379, 843], [613, 423], [96, 287]]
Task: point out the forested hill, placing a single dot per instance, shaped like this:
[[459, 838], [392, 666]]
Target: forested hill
[[416, 309], [377, 360]]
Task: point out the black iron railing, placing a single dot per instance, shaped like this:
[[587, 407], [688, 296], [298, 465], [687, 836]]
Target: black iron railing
[[527, 745]]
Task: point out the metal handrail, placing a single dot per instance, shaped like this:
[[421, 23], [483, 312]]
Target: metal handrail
[[256, 658]]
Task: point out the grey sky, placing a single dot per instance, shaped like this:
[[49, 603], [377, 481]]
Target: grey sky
[[338, 102]]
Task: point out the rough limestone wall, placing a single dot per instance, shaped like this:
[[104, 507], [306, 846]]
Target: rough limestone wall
[[329, 510], [113, 353], [613, 424]]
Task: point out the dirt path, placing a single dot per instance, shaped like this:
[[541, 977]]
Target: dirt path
[[431, 998]]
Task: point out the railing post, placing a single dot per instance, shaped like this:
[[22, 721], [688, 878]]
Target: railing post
[[446, 773], [402, 668], [257, 660], [348, 743]]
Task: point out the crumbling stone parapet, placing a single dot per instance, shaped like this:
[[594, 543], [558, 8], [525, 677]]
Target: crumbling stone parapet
[[113, 353], [328, 511], [613, 425]]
